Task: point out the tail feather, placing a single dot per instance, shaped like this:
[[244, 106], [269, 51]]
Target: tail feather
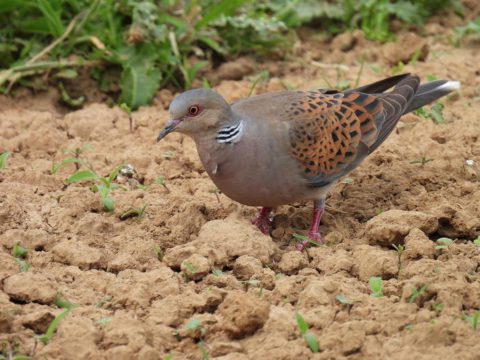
[[430, 92]]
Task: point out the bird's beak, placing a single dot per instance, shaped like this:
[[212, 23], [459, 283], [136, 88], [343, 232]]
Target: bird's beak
[[171, 125]]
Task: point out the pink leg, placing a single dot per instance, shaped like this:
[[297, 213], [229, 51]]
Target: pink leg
[[262, 221], [313, 233]]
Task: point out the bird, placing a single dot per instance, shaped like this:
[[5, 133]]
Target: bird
[[291, 146]]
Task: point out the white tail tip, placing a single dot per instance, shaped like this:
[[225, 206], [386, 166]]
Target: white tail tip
[[450, 86]]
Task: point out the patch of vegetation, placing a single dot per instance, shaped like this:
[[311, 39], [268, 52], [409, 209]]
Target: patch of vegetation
[[416, 293], [146, 44], [45, 338], [134, 212], [102, 185], [3, 160], [73, 159], [435, 113], [20, 254], [472, 319], [309, 338], [443, 243], [376, 286]]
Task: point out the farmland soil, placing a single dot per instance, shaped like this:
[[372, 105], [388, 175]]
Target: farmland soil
[[193, 275]]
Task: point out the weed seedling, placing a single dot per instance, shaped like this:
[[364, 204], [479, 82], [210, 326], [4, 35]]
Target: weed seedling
[[309, 338], [104, 321], [73, 159], [195, 325], [217, 272], [472, 320], [216, 192], [53, 327], [127, 110], [399, 249], [376, 286], [161, 181], [3, 160], [477, 241], [423, 160], [443, 243], [299, 238], [417, 293], [437, 307], [342, 299], [203, 351], [20, 253], [63, 303], [157, 250], [134, 212], [104, 301], [103, 185]]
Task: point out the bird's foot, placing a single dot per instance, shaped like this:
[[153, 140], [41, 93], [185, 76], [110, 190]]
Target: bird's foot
[[315, 239], [263, 223]]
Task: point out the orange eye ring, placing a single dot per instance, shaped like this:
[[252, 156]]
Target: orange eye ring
[[194, 110]]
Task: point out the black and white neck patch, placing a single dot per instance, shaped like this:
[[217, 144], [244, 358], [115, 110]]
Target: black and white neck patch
[[230, 134]]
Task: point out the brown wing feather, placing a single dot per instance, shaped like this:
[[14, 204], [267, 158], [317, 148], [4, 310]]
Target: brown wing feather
[[328, 128]]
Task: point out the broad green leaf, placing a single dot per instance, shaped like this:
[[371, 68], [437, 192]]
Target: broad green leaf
[[138, 84], [376, 286], [82, 175], [215, 11], [312, 342], [24, 266], [301, 323]]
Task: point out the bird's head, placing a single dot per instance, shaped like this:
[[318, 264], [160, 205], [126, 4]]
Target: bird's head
[[196, 111]]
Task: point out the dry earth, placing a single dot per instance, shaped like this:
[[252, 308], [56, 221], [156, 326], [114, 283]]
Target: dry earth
[[137, 283]]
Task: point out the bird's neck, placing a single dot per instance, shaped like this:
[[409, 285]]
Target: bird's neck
[[230, 133]]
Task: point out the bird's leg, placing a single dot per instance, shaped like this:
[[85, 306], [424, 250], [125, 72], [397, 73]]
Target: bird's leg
[[313, 233], [262, 221]]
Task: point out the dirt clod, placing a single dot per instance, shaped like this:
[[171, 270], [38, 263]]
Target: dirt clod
[[243, 314], [29, 287]]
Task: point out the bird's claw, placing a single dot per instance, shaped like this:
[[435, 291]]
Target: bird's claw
[[263, 223]]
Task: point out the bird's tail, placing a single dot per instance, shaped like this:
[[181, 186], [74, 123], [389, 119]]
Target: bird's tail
[[431, 91]]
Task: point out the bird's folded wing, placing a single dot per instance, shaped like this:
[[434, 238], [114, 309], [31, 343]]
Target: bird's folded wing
[[331, 133]]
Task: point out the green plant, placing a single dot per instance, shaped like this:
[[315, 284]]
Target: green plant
[[45, 338], [217, 272], [416, 293], [435, 113], [203, 350], [423, 160], [342, 299], [472, 27], [74, 159], [304, 239], [20, 253], [134, 212], [102, 185], [472, 319], [309, 338], [376, 286], [161, 181], [477, 241], [443, 243], [3, 160]]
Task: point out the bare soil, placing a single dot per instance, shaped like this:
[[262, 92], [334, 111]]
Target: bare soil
[[136, 283]]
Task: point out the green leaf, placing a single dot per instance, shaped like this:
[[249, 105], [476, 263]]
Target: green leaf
[[56, 167], [19, 252], [215, 11], [301, 323], [108, 203], [477, 241], [139, 84], [52, 17], [436, 113], [312, 342], [82, 175], [63, 303], [376, 286], [193, 324], [3, 160], [52, 327], [114, 173], [24, 266], [133, 212], [342, 299]]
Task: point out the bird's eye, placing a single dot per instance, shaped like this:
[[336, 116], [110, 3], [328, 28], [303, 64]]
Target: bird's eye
[[194, 110]]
